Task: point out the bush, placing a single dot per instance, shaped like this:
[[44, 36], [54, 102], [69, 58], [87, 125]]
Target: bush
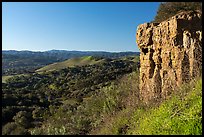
[[13, 129], [169, 9], [23, 119]]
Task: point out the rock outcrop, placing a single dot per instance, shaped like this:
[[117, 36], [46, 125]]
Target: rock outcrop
[[171, 53]]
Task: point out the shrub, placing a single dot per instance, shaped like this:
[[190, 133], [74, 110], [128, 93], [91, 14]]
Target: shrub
[[169, 9], [12, 128], [23, 118]]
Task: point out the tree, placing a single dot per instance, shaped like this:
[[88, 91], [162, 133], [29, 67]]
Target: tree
[[12, 128], [169, 9]]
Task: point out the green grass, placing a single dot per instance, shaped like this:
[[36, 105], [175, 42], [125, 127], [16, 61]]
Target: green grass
[[5, 78], [132, 58], [179, 115], [86, 60]]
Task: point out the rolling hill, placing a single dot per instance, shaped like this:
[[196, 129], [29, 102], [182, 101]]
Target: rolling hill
[[81, 61], [20, 62]]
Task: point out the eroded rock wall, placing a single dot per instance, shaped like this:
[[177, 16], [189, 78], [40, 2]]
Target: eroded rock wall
[[171, 53]]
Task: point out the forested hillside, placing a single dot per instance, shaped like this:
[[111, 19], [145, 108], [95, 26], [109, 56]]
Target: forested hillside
[[29, 100], [101, 98]]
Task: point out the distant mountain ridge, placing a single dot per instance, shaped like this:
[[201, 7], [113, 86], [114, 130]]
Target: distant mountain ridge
[[65, 51], [17, 62], [64, 54]]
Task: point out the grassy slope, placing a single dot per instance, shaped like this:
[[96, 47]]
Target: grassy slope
[[5, 78], [181, 114], [87, 60]]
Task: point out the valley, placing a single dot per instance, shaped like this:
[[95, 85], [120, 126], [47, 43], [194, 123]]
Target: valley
[[100, 90], [30, 99]]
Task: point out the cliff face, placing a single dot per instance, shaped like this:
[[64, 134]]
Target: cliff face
[[171, 53]]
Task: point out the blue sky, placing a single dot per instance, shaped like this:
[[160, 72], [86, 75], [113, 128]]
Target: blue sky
[[84, 26]]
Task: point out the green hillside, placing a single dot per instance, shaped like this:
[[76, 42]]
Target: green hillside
[[86, 60], [116, 109], [40, 103], [179, 115], [96, 99]]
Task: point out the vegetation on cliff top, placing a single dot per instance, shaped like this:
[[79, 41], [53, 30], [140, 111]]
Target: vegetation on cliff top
[[169, 9]]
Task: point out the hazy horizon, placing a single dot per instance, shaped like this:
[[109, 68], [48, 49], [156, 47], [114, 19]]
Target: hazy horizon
[[69, 50], [74, 26]]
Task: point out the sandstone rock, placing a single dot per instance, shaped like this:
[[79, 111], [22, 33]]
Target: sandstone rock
[[171, 53]]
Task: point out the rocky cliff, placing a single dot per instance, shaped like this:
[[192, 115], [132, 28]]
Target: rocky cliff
[[171, 53]]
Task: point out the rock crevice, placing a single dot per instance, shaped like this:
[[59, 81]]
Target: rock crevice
[[171, 53]]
